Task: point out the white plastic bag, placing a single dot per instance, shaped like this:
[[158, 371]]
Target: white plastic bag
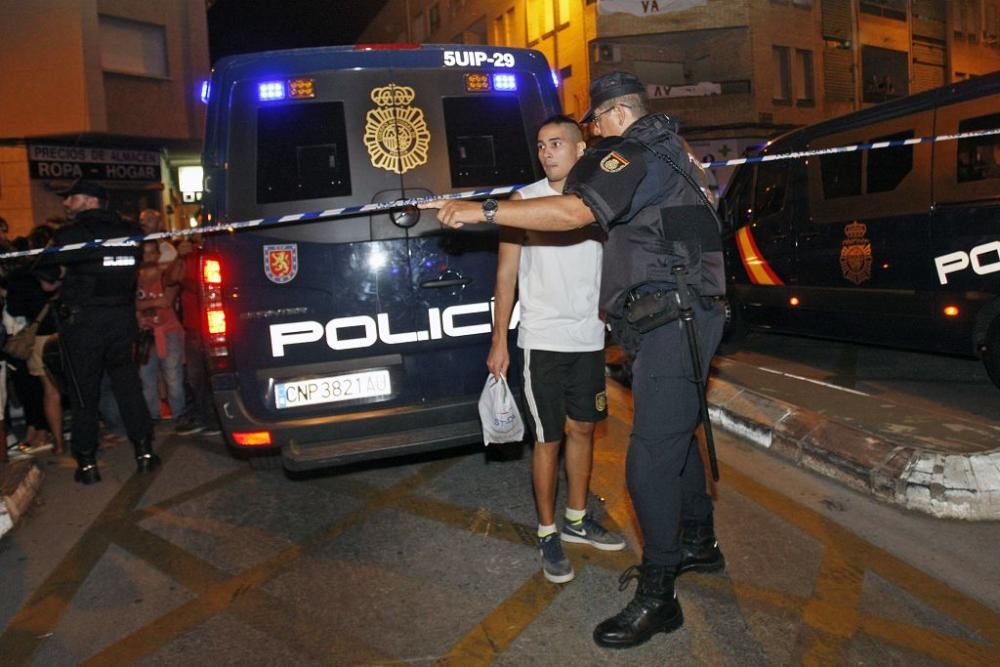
[[498, 413]]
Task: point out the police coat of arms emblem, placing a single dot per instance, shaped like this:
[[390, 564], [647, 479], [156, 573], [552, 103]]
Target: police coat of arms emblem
[[396, 134], [281, 262], [856, 253]]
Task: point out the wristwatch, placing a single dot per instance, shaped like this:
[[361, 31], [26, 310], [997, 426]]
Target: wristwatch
[[490, 207]]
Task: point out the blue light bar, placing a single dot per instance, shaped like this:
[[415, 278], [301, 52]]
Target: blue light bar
[[271, 90], [504, 82], [555, 78], [206, 91]]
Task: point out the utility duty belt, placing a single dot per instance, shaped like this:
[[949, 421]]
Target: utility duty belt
[[648, 308]]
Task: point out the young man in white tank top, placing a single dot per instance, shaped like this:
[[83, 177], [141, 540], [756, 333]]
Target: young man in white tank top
[[557, 276]]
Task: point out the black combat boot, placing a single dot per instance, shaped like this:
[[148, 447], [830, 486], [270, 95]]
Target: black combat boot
[[653, 609], [699, 549], [86, 470], [145, 459]]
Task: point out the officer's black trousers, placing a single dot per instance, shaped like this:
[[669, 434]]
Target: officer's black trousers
[[98, 339], [666, 477]]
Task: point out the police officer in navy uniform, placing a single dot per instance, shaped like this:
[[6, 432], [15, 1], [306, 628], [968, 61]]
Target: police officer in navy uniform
[[97, 325], [642, 184]]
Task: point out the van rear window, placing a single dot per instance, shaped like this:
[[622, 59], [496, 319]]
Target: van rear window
[[487, 144], [302, 152]]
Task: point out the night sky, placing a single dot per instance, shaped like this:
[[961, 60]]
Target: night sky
[[244, 26]]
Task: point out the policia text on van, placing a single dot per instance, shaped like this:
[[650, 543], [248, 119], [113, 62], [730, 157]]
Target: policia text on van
[[898, 246], [366, 336]]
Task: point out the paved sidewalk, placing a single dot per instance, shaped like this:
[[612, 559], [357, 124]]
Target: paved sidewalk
[[19, 481], [938, 462]]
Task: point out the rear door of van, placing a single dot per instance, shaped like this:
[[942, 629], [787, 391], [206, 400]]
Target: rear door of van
[[366, 312]]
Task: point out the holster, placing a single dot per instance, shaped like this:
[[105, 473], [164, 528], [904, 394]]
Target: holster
[[645, 312]]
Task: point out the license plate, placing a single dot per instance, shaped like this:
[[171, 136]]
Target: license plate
[[353, 386]]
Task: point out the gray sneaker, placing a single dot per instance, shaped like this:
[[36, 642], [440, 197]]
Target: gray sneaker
[[588, 531], [555, 566], [188, 425]]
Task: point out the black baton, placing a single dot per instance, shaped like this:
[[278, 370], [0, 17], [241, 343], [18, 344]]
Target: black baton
[[66, 361], [688, 323]]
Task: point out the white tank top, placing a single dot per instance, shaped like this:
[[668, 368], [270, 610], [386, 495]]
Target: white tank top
[[558, 287]]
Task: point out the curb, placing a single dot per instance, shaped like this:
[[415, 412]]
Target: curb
[[945, 485], [19, 482]]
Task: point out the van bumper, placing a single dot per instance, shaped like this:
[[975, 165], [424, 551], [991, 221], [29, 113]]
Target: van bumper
[[322, 442]]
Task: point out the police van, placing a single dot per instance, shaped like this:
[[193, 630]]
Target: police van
[[337, 339], [896, 246]]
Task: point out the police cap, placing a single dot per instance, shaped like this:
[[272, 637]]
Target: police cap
[[84, 187], [610, 86]]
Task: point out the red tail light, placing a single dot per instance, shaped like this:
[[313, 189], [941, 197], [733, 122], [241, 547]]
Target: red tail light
[[253, 438], [216, 320], [216, 330], [211, 271]]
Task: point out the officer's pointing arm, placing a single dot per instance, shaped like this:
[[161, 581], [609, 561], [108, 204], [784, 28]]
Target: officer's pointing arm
[[600, 188], [549, 214]]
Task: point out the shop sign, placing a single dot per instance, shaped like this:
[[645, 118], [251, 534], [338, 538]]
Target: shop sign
[[47, 161], [647, 7], [701, 89]]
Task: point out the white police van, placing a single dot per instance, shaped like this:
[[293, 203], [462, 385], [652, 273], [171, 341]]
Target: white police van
[[897, 246], [359, 336]]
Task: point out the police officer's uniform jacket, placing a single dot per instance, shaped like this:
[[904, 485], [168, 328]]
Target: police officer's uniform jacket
[[656, 220], [102, 275], [654, 217]]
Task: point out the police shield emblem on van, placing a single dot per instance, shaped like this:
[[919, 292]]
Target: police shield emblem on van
[[856, 253], [281, 262]]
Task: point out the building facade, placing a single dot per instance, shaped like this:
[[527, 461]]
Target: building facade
[[734, 73], [99, 89]]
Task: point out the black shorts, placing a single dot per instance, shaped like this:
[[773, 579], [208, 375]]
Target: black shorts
[[558, 385]]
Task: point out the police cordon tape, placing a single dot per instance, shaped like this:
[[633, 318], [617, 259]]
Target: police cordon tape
[[272, 221], [891, 143], [382, 207]]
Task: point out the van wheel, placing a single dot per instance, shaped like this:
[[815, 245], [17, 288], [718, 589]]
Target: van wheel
[[991, 351], [735, 330], [736, 324]]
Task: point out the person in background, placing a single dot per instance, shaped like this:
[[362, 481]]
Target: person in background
[[154, 306], [151, 222], [201, 416], [27, 296], [556, 276], [5, 246]]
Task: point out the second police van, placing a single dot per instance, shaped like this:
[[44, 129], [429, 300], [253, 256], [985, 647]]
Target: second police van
[[360, 336], [896, 246]]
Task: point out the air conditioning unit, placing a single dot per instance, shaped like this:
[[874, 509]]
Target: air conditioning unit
[[607, 53]]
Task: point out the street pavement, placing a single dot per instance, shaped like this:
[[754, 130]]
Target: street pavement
[[939, 455], [432, 561]]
